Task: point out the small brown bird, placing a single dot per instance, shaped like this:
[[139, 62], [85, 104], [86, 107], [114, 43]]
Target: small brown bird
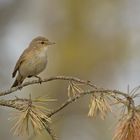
[[32, 61]]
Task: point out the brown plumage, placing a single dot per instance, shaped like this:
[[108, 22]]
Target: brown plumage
[[32, 61]]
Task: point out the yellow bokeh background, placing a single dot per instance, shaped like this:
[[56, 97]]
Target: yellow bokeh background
[[96, 40]]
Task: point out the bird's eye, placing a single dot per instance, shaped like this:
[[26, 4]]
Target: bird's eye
[[42, 42]]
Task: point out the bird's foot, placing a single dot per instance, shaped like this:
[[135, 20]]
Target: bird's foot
[[20, 87], [39, 78]]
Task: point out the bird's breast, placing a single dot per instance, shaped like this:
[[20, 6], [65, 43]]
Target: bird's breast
[[35, 64]]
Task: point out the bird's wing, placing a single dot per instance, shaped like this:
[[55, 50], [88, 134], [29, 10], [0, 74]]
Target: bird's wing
[[21, 59]]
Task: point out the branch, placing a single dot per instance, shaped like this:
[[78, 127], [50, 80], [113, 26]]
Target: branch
[[66, 78], [82, 94], [15, 103], [11, 103], [40, 118]]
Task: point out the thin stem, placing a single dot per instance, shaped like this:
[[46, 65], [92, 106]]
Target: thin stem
[[66, 78], [71, 100], [10, 103]]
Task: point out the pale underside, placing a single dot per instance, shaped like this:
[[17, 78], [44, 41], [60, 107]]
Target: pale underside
[[31, 63]]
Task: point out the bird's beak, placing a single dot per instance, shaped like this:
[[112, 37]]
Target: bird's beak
[[51, 43]]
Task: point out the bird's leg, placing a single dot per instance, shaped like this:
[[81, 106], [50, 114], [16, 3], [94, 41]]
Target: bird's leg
[[19, 87], [20, 81], [39, 78]]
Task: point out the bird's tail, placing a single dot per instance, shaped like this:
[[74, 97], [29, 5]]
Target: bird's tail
[[18, 81]]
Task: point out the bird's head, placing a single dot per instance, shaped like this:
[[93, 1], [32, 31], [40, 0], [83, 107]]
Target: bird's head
[[41, 41]]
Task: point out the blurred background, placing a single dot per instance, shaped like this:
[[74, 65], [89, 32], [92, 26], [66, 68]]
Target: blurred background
[[97, 40]]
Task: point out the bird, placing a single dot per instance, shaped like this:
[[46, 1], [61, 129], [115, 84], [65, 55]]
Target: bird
[[32, 61]]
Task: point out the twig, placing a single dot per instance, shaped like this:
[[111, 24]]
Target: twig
[[67, 78], [73, 99], [22, 104], [10, 103]]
